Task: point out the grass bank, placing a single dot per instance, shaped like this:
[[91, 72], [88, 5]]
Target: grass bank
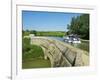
[[33, 56], [84, 45]]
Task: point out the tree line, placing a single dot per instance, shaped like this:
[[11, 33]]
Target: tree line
[[43, 33], [79, 25]]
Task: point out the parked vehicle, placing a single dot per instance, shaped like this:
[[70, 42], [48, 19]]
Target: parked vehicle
[[72, 39]]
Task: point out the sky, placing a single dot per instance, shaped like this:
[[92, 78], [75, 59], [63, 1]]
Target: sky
[[46, 21]]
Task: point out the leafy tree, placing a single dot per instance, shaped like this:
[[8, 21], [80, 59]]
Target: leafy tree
[[33, 32], [27, 30], [80, 25]]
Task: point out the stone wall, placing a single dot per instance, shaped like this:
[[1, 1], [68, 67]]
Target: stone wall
[[61, 54]]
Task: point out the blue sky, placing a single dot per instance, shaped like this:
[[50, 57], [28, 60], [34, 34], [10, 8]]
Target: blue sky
[[46, 21]]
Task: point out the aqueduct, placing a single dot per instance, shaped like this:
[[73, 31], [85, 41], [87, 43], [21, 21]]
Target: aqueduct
[[61, 54]]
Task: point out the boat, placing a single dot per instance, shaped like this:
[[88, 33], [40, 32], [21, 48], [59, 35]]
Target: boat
[[72, 38]]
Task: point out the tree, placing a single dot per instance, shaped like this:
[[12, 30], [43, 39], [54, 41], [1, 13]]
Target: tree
[[33, 32], [80, 25]]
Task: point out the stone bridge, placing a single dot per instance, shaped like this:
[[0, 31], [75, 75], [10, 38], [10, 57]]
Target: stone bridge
[[61, 54]]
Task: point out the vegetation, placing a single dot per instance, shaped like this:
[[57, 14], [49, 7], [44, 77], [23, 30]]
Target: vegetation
[[80, 25], [36, 63], [33, 32], [33, 56], [25, 33], [44, 33], [51, 33], [84, 45]]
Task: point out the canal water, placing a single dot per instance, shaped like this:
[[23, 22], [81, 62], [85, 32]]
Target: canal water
[[62, 39], [57, 38]]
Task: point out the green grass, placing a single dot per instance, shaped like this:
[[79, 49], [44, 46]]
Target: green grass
[[51, 33], [33, 56], [84, 45], [25, 33], [46, 33], [33, 52], [36, 63]]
